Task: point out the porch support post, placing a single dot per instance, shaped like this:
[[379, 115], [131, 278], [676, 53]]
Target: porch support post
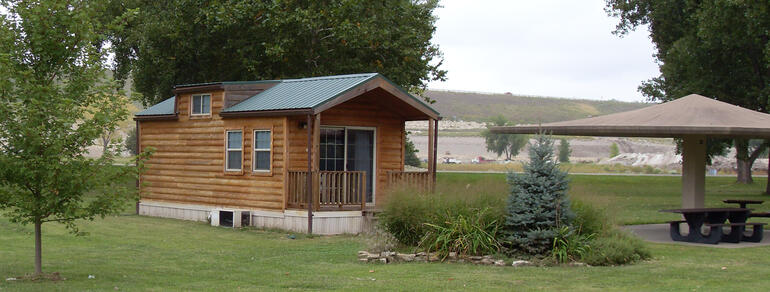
[[309, 179], [693, 171], [430, 146], [431, 151], [435, 152]]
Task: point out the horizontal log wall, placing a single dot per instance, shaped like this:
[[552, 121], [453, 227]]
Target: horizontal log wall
[[188, 164]]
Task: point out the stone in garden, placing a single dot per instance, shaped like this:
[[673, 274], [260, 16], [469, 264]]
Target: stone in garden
[[365, 260], [384, 260], [500, 263], [521, 263], [452, 255], [487, 261], [476, 258], [405, 257]]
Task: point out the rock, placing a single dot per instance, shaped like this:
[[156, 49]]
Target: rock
[[387, 254], [577, 264], [405, 257], [363, 253], [500, 263], [365, 260], [419, 258], [420, 254], [452, 255], [486, 261], [475, 258], [384, 260], [373, 257], [433, 257], [521, 263], [11, 279]]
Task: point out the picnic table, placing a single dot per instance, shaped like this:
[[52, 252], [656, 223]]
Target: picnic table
[[743, 203], [714, 219]]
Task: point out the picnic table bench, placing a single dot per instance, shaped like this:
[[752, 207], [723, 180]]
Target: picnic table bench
[[714, 219], [743, 204]]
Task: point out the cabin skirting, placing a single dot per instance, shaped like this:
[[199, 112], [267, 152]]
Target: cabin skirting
[[324, 222]]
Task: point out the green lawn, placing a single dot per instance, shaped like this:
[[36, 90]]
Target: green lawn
[[141, 253]]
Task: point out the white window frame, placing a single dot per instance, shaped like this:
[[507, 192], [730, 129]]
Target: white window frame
[[255, 150], [228, 149], [192, 103]]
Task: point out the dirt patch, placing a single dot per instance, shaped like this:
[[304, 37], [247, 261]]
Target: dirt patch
[[55, 277]]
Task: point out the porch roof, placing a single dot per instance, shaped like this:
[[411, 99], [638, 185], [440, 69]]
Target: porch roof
[[314, 95]]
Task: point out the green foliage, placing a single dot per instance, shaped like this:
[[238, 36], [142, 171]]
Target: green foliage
[[715, 48], [615, 247], [564, 151], [55, 102], [590, 219], [614, 150], [570, 244], [537, 205], [165, 43], [474, 235], [608, 245], [131, 145], [410, 153], [406, 211], [507, 144]]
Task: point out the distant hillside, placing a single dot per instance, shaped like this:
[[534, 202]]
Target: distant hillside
[[480, 107]]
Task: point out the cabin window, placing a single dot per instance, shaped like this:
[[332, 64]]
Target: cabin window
[[262, 142], [234, 150], [201, 104]]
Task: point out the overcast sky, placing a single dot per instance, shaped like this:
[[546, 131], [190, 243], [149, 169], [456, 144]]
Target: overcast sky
[[561, 48]]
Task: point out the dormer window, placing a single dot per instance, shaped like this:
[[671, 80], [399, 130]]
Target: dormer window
[[201, 104]]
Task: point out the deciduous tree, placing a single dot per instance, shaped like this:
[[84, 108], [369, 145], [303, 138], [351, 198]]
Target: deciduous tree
[[54, 104], [503, 144], [165, 43], [717, 48]]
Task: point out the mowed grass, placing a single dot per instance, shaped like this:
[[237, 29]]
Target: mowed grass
[[571, 167], [153, 254]]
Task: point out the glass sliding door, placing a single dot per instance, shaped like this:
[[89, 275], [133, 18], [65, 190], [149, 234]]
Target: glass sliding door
[[349, 149], [360, 145], [332, 149]]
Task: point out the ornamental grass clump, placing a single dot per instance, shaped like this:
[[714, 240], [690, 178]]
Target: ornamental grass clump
[[537, 205], [464, 235]]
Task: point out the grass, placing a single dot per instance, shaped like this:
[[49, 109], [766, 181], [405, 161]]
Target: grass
[[571, 167], [152, 254]]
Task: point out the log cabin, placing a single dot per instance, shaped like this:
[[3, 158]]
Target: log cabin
[[236, 153]]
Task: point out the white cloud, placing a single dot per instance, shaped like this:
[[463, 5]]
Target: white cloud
[[548, 47]]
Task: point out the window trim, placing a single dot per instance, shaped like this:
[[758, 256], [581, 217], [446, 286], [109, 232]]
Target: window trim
[[192, 98], [228, 149], [254, 151]]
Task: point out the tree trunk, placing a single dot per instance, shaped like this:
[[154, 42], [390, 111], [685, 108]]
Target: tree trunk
[[767, 189], [743, 164], [38, 248]]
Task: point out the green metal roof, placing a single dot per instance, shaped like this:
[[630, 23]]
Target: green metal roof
[[301, 93], [165, 107], [288, 94]]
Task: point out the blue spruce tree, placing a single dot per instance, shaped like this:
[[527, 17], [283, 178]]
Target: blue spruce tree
[[538, 202]]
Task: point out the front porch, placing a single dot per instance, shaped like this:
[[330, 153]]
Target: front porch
[[345, 190]]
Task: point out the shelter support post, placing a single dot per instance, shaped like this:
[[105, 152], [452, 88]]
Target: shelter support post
[[693, 171]]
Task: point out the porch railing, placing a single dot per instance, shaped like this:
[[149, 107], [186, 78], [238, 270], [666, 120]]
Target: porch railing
[[421, 180], [332, 190]]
